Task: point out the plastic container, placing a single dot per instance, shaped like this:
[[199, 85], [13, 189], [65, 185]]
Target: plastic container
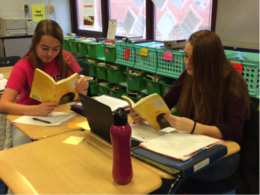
[[153, 87], [82, 48], [149, 62], [101, 72], [118, 93], [110, 53], [116, 75], [120, 134], [103, 90], [94, 87], [170, 68], [136, 83], [74, 46], [95, 50], [92, 68], [166, 86], [250, 71], [121, 49], [66, 43], [232, 54]]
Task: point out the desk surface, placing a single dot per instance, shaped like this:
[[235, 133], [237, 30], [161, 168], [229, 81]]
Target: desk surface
[[49, 166], [39, 132], [6, 71]]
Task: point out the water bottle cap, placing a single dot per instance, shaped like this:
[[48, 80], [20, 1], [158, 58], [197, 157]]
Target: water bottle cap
[[120, 117]]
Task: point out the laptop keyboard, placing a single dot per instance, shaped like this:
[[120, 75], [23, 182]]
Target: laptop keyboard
[[134, 143]]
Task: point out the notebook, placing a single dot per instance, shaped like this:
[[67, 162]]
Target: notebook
[[100, 118]]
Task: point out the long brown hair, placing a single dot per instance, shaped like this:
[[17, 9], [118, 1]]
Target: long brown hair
[[214, 78], [53, 29]]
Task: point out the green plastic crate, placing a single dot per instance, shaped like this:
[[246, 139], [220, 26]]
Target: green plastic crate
[[136, 83], [149, 62], [95, 50], [92, 69], [94, 87], [153, 87], [117, 94], [170, 68], [116, 75], [103, 90], [166, 86], [101, 72], [74, 45], [66, 43], [120, 54], [110, 53], [250, 71], [82, 48], [231, 54]]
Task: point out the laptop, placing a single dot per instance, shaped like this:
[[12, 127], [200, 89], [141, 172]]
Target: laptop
[[100, 118]]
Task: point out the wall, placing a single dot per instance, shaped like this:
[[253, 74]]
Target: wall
[[14, 8]]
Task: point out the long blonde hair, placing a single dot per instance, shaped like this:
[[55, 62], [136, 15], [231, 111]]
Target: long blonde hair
[[53, 29], [204, 93]]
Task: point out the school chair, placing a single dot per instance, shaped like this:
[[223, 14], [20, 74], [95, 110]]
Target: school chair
[[9, 61], [245, 180]]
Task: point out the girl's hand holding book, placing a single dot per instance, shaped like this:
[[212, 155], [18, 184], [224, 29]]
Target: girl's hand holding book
[[180, 123], [136, 118], [81, 86], [44, 109]]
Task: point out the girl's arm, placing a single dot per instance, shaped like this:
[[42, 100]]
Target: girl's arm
[[8, 106]]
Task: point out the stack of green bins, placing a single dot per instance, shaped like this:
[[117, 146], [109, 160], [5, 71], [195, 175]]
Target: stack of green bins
[[166, 86], [94, 87], [103, 90], [117, 93]]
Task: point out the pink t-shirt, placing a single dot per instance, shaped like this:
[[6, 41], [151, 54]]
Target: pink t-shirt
[[22, 74]]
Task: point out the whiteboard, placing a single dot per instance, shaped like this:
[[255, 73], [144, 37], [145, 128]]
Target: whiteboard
[[237, 23]]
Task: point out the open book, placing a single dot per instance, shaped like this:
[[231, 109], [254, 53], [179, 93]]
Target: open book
[[151, 108], [3, 82], [45, 89]]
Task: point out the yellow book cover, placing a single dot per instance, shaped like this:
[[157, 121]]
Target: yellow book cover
[[45, 89], [151, 108]]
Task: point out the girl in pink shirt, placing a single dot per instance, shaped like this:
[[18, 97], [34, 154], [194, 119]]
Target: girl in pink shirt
[[46, 54]]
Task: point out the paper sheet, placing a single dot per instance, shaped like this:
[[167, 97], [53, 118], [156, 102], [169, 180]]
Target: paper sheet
[[159, 4], [190, 23], [84, 125], [140, 25], [166, 23], [111, 33], [178, 3], [201, 3], [129, 21], [177, 144], [3, 84], [74, 140], [56, 119], [139, 4]]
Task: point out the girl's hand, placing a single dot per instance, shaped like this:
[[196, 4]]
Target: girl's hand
[[44, 109], [82, 85], [136, 118], [180, 123]]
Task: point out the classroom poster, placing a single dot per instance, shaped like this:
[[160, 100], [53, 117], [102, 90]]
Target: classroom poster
[[38, 13], [89, 15]]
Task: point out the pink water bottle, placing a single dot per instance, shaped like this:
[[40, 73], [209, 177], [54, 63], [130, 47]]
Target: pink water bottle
[[120, 134]]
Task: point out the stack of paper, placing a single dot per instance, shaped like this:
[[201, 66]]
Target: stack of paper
[[3, 82]]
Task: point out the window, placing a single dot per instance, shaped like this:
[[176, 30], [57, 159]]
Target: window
[[177, 19], [131, 17]]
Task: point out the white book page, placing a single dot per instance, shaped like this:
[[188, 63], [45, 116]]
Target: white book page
[[190, 23], [113, 103], [55, 118], [177, 145]]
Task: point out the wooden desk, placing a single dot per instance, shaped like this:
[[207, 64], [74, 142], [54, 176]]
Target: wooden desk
[[49, 166], [6, 71], [40, 132]]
